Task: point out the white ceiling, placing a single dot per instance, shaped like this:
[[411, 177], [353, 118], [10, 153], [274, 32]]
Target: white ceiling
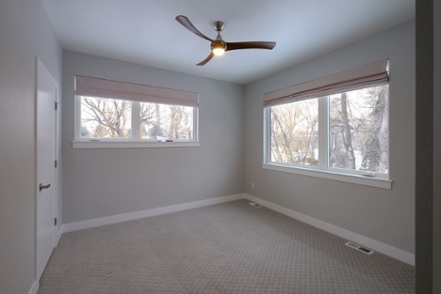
[[146, 32]]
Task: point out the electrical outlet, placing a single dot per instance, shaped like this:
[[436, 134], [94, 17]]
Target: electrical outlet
[[252, 185]]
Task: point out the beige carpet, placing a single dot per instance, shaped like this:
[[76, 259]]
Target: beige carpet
[[225, 248]]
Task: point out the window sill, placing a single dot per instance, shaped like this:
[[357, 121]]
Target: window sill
[[348, 178], [131, 144]]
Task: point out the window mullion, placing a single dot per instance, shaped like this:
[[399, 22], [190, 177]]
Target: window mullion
[[77, 114], [267, 134], [195, 124], [323, 132], [136, 121]]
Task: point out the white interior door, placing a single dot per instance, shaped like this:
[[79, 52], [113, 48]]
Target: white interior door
[[46, 169]]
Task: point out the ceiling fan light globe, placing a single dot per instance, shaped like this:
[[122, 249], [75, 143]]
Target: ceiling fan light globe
[[218, 51]]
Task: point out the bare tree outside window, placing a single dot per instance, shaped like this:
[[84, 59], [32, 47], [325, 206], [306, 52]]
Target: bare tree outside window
[[355, 125], [166, 122], [294, 132], [358, 130], [105, 118], [112, 118]]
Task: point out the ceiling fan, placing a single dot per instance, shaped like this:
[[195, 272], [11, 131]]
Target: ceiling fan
[[218, 45]]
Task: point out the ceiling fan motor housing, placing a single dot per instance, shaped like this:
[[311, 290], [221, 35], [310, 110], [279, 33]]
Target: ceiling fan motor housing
[[218, 44]]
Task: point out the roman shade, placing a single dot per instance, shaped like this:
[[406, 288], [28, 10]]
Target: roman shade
[[96, 87], [367, 75]]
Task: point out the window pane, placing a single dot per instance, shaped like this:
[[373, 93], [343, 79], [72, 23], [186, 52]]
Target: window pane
[[105, 118], [294, 132], [166, 122], [359, 130]]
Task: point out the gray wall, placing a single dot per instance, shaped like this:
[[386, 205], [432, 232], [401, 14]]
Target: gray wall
[[383, 215], [25, 32], [105, 182], [437, 149]]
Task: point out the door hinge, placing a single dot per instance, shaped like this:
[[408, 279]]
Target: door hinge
[[56, 163], [56, 106], [55, 221]]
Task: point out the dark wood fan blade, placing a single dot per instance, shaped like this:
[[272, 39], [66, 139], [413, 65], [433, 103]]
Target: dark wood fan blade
[[250, 45], [203, 62], [183, 20]]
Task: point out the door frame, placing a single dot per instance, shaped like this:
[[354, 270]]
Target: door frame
[[40, 68]]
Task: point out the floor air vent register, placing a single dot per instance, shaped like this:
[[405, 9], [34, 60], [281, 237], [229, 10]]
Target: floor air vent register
[[359, 248], [255, 205]]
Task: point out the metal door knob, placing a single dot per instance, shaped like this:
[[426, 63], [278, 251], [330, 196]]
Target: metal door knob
[[41, 186]]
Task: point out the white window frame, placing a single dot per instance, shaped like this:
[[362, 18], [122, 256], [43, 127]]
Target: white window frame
[[136, 94], [135, 141], [322, 170]]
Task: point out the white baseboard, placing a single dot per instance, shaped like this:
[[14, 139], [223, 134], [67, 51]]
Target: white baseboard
[[69, 227], [34, 288], [375, 245]]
